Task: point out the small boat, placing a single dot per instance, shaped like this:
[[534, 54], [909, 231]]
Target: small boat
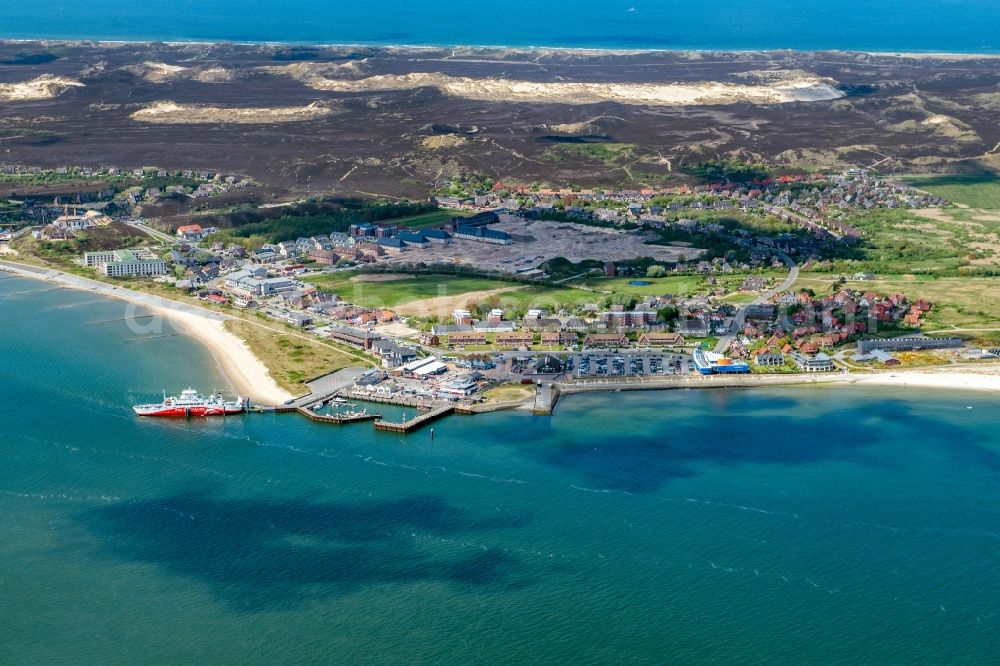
[[352, 411], [355, 413]]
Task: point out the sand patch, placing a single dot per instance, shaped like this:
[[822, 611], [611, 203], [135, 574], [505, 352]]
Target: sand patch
[[443, 141], [591, 126], [444, 306], [156, 72], [161, 72], [942, 126], [798, 89], [46, 86], [180, 114], [214, 75], [309, 72], [397, 329], [943, 215], [938, 214]]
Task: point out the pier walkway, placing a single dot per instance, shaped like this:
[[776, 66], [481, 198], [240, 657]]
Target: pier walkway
[[546, 396], [323, 388], [415, 422]]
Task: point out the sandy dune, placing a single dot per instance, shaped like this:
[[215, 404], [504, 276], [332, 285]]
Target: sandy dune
[[156, 72], [45, 86], [800, 88], [167, 112], [161, 72]]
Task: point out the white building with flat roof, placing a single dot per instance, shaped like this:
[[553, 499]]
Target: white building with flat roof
[[131, 263]]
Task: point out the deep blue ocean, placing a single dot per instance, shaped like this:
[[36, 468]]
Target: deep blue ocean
[[817, 525], [885, 25]]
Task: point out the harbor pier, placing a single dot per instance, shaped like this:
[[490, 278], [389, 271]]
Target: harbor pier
[[336, 419], [415, 422]]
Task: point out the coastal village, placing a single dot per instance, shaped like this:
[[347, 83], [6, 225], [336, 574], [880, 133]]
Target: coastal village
[[741, 320]]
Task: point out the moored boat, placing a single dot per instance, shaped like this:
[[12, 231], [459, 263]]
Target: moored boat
[[189, 403]]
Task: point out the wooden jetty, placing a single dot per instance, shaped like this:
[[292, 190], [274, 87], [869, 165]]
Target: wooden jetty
[[415, 422]]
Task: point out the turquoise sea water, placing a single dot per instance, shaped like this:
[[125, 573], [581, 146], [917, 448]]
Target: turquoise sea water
[[887, 25], [788, 526]]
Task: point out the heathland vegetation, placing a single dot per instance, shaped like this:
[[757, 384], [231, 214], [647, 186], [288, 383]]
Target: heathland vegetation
[[256, 227]]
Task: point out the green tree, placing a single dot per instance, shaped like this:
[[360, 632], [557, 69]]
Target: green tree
[[668, 314]]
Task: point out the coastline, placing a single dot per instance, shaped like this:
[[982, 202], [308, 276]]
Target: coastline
[[984, 379], [526, 48], [246, 373], [250, 377], [987, 379]]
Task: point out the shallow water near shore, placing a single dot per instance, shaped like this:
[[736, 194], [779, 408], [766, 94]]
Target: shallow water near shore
[[890, 25], [833, 524]]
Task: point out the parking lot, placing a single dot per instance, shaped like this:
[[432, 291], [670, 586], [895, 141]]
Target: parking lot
[[624, 364], [537, 241]]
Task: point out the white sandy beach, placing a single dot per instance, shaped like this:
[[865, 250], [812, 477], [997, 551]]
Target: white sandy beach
[[247, 374], [982, 378], [250, 377]]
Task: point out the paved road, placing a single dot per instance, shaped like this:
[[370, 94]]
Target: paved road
[[153, 233], [801, 220], [741, 312]]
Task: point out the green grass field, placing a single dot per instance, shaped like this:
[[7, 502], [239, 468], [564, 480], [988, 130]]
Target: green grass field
[[973, 191], [676, 285], [405, 289], [739, 297], [394, 292], [936, 241], [551, 298]]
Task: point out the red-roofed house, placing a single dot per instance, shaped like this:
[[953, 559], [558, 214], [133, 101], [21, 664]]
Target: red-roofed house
[[189, 232]]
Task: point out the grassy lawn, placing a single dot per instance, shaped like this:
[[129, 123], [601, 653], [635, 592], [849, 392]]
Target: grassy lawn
[[391, 293], [550, 298], [676, 285], [290, 359], [406, 289], [973, 191], [509, 392], [739, 297]]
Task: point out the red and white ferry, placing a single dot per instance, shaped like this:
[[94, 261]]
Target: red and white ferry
[[189, 403]]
